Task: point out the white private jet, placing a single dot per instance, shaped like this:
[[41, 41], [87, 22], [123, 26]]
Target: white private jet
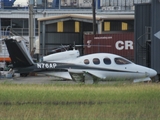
[[99, 65]]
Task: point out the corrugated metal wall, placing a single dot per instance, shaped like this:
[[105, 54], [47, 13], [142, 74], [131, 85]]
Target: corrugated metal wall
[[142, 21], [147, 41], [117, 43], [155, 18], [58, 34], [54, 40]]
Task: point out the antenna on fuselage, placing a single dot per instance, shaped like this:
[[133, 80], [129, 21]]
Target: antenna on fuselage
[[74, 45], [64, 47]]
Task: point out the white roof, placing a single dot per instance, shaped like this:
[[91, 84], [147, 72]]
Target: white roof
[[89, 17]]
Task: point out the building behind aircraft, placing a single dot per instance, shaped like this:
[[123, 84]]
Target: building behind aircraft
[[67, 4]]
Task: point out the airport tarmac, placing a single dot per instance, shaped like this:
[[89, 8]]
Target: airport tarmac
[[43, 79], [39, 79]]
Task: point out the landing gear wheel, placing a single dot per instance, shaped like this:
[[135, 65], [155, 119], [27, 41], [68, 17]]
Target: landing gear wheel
[[24, 74]]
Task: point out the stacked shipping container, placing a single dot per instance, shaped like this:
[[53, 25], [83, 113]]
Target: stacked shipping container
[[122, 2], [121, 44], [102, 3], [6, 3]]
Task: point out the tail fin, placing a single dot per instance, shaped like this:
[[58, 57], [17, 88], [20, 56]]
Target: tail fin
[[18, 53]]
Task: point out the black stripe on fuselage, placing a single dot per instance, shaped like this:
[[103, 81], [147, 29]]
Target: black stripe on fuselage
[[66, 66]]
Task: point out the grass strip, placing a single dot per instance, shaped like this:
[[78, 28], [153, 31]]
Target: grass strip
[[67, 102]]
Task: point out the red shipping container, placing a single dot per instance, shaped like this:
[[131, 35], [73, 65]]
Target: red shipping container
[[118, 43]]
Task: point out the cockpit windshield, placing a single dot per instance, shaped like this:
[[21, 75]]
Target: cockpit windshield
[[121, 61]]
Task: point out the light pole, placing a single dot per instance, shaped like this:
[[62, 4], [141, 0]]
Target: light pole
[[0, 29], [94, 17], [31, 25]]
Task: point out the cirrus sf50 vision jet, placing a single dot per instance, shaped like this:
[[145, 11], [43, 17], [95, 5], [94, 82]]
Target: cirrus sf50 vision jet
[[103, 66]]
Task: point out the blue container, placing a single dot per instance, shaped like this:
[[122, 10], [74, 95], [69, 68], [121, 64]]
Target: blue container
[[55, 4], [99, 4], [8, 3]]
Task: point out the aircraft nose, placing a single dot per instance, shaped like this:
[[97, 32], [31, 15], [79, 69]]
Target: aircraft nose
[[152, 73]]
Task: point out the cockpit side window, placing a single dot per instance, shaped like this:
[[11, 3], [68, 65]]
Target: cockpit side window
[[96, 61], [107, 61], [121, 61], [86, 61]]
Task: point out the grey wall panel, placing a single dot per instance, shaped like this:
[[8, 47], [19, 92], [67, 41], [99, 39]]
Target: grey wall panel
[[111, 2], [155, 55], [143, 1], [146, 1], [142, 20], [103, 3], [87, 26], [51, 27], [137, 1], [69, 26], [115, 3], [129, 2], [123, 3], [107, 2], [119, 2]]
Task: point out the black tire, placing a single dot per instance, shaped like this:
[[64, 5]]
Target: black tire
[[1, 69], [24, 74]]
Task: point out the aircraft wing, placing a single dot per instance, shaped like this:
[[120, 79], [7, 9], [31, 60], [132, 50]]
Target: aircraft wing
[[100, 75], [64, 75], [95, 73]]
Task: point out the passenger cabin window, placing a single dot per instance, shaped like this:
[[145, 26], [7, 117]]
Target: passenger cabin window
[[86, 61], [96, 61], [107, 61], [121, 61]]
